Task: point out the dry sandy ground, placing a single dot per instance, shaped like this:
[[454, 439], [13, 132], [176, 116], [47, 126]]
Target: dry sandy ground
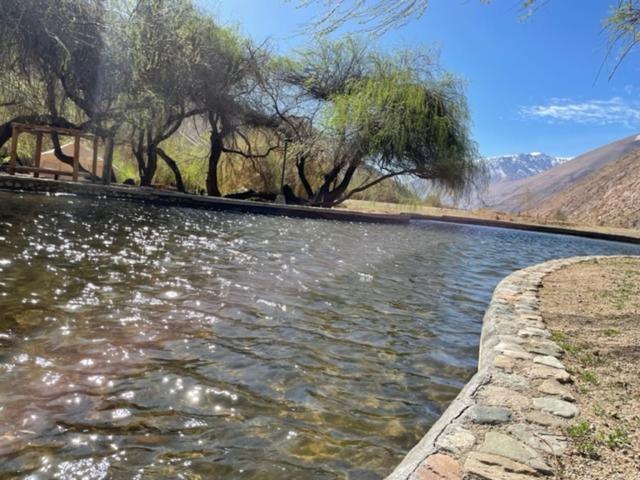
[[396, 208], [593, 310]]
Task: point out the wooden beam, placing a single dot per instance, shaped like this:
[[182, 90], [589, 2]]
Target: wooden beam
[[76, 158], [37, 153], [15, 131], [94, 163], [59, 130]]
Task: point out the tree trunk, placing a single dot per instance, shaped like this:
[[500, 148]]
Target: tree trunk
[[214, 159], [149, 170], [300, 163], [138, 153], [174, 168]]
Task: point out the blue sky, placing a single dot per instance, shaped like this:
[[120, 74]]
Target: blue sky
[[532, 85]]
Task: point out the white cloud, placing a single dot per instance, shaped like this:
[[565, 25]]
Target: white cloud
[[597, 112]]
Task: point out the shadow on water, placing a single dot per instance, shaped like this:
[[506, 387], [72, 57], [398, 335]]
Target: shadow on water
[[140, 342]]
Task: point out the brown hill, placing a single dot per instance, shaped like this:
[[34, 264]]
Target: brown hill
[[527, 193], [609, 196]]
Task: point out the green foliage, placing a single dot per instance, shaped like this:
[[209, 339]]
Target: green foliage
[[588, 442], [589, 377], [582, 433], [136, 71], [563, 342], [395, 114], [617, 438]]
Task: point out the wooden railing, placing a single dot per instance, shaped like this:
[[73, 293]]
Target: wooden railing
[[39, 132]]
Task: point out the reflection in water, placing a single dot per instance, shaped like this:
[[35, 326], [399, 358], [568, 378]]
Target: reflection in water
[[139, 342]]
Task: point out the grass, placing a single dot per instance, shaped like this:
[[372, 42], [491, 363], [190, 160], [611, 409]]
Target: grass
[[611, 332], [583, 435], [589, 377], [617, 438], [588, 441], [563, 342]]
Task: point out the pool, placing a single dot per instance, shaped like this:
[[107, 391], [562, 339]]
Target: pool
[[147, 342]]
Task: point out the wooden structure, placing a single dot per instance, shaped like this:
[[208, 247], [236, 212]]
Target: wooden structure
[[39, 132]]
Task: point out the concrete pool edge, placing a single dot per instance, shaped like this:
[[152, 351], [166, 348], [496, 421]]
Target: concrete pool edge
[[155, 196], [27, 184], [508, 421]]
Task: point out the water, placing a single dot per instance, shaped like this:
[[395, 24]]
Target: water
[[142, 342]]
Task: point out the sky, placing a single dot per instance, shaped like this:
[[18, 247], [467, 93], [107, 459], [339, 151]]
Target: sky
[[535, 84]]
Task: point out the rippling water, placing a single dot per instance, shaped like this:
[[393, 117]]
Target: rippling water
[[142, 342]]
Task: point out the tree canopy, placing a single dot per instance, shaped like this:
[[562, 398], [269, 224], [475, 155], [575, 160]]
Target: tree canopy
[[387, 115], [142, 72]]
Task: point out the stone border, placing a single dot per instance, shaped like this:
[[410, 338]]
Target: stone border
[[508, 422]]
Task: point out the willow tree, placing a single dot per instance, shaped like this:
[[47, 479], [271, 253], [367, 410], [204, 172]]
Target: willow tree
[[384, 116], [163, 45], [58, 67], [373, 16]]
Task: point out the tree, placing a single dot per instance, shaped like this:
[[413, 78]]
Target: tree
[[225, 79], [59, 67], [163, 47], [374, 16], [385, 115]]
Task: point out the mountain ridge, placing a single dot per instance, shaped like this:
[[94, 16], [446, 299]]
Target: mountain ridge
[[520, 165]]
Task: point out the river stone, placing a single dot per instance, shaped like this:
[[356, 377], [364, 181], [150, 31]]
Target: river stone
[[553, 387], [510, 380], [457, 441], [543, 418], [549, 361], [438, 467], [556, 407], [519, 354], [539, 439], [503, 362], [542, 371], [490, 415], [511, 339], [486, 465], [502, 397], [534, 332], [496, 443], [545, 348]]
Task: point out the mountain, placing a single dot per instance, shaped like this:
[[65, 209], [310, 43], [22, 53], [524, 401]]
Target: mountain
[[609, 196], [522, 165], [527, 193]]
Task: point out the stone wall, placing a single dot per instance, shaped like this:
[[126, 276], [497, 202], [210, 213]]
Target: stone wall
[[509, 421]]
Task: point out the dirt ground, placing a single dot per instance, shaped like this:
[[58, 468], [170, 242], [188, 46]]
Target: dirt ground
[[593, 310]]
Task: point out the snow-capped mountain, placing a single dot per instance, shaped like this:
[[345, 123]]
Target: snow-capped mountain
[[522, 165]]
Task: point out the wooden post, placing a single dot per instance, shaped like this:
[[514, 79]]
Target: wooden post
[[37, 153], [14, 149], [107, 161], [94, 164], [76, 158]]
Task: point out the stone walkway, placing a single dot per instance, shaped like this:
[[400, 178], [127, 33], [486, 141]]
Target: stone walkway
[[508, 422]]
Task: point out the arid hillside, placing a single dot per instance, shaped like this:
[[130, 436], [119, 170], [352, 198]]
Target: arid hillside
[[527, 194], [609, 196]]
